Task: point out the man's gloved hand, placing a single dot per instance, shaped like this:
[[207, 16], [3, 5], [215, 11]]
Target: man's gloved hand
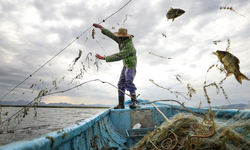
[[100, 57], [98, 26]]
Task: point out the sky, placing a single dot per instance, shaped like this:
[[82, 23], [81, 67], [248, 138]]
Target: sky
[[35, 36]]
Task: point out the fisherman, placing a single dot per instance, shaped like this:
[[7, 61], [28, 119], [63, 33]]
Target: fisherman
[[128, 54]]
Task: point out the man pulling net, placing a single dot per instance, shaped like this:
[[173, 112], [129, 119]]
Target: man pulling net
[[128, 55]]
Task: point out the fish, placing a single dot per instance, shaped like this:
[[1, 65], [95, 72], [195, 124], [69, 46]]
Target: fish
[[231, 64], [93, 33], [174, 13], [79, 56]]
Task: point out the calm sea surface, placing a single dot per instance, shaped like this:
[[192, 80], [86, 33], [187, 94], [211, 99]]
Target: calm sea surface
[[48, 120]]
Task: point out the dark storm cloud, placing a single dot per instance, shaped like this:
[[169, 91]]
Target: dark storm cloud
[[7, 7], [47, 11]]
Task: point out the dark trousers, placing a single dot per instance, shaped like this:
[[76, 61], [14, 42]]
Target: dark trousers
[[126, 81]]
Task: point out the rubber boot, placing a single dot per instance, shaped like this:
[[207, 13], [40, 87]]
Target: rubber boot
[[121, 103], [133, 102]]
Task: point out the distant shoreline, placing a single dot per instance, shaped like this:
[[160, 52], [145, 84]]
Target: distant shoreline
[[39, 106]]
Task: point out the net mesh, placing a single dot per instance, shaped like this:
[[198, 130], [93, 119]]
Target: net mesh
[[185, 131]]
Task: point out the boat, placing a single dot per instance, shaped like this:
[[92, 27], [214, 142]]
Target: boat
[[112, 128]]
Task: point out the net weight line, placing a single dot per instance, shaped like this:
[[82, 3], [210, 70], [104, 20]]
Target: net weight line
[[62, 50]]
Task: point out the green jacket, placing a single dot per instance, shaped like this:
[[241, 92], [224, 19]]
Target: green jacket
[[127, 50]]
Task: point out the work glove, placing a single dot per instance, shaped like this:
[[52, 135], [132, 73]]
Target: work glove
[[100, 57], [98, 26]]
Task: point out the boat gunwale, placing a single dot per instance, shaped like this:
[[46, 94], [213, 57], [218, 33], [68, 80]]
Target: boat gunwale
[[56, 138]]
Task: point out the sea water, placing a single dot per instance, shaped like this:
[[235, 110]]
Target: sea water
[[47, 120]]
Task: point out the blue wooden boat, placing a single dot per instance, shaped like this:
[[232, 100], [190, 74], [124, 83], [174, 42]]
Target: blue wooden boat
[[111, 129]]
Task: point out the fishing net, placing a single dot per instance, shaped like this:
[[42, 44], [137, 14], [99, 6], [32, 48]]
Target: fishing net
[[186, 131]]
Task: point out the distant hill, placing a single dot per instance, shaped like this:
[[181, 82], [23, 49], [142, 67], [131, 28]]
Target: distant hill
[[22, 102], [59, 104], [233, 106], [19, 102]]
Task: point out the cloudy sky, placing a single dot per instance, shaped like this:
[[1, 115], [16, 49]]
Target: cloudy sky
[[33, 32]]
